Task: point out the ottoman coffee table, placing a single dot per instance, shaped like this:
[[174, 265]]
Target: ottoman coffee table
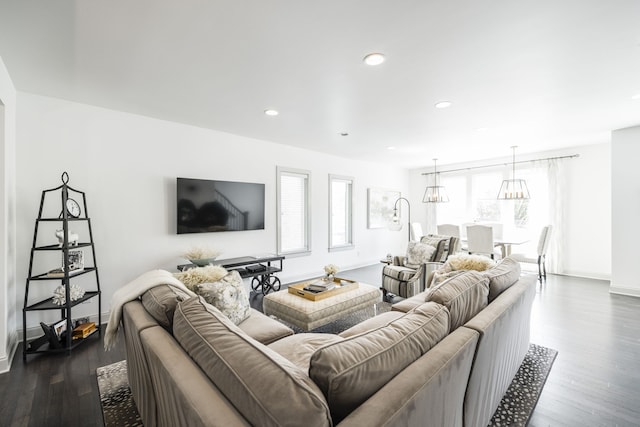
[[308, 314]]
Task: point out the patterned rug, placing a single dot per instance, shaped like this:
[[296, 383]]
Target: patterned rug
[[118, 407], [515, 409]]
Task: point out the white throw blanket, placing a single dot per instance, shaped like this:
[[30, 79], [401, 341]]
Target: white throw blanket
[[133, 290]]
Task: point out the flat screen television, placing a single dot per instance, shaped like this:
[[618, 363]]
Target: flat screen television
[[205, 206]]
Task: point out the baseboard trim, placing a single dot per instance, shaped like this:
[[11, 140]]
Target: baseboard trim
[[5, 362], [622, 290]]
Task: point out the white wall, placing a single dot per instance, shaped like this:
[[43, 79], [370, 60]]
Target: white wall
[[625, 180], [586, 237], [127, 165], [8, 310]]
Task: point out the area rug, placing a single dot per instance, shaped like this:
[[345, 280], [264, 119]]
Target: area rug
[[515, 409], [521, 397], [118, 407]]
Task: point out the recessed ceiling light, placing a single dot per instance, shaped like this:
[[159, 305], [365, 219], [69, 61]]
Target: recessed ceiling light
[[391, 148], [344, 133], [271, 112], [636, 96], [443, 104], [374, 59]]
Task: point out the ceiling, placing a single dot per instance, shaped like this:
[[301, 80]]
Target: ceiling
[[541, 74]]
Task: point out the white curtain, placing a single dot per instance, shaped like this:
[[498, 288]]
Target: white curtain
[[556, 173]]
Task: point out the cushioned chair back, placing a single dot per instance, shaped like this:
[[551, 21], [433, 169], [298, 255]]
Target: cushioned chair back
[[449, 230], [543, 243], [480, 239], [416, 231]]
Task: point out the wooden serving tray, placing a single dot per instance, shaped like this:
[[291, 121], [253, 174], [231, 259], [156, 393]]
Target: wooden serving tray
[[342, 285]]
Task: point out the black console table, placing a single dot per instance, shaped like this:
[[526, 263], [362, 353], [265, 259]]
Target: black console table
[[260, 268]]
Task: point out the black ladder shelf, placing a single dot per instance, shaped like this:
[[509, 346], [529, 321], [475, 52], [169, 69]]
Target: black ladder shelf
[[51, 342]]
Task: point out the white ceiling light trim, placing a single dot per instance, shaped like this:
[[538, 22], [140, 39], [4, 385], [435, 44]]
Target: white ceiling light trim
[[271, 112], [374, 59], [443, 104]]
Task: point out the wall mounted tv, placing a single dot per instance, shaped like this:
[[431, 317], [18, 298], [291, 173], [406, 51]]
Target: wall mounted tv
[[205, 206]]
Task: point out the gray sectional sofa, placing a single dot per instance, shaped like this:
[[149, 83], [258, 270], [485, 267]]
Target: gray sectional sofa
[[444, 357]]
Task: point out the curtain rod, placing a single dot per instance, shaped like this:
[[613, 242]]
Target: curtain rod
[[504, 164]]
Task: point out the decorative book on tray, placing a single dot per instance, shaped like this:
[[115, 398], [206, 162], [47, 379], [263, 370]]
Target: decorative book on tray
[[320, 286]]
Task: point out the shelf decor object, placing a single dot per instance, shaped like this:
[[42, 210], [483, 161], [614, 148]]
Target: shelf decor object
[[65, 295], [435, 193], [513, 189]]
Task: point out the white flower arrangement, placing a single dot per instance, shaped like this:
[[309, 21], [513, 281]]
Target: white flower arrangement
[[331, 269], [59, 297], [198, 252]]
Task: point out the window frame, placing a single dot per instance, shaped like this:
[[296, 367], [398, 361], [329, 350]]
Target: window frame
[[306, 175], [348, 214]]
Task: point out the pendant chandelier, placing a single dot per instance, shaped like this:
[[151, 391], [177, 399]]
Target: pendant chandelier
[[435, 193], [513, 189]]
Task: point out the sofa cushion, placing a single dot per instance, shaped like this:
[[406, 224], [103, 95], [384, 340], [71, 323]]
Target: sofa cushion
[[261, 384], [299, 348], [228, 295], [161, 301], [372, 323], [465, 295], [350, 371], [264, 329], [440, 276], [417, 254], [502, 276]]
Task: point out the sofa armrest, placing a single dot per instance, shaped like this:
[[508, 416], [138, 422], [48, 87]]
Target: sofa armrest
[[186, 396], [504, 327]]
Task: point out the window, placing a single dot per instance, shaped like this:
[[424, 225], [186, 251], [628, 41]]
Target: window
[[294, 217], [473, 198], [340, 212]]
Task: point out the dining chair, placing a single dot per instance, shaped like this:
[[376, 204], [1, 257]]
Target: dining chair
[[449, 230], [540, 258], [480, 240]]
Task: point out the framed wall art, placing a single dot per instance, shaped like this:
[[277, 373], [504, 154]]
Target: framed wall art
[[380, 206]]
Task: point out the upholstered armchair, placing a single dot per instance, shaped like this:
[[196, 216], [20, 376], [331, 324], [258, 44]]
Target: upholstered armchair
[[408, 274]]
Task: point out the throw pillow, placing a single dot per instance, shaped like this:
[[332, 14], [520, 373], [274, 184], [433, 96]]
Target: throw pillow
[[351, 370], [228, 295], [262, 385], [502, 276], [417, 254], [465, 295], [468, 262], [161, 301], [195, 276]]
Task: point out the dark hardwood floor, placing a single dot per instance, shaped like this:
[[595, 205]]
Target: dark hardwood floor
[[595, 380]]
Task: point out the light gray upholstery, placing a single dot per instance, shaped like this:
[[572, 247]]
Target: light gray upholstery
[[427, 393], [504, 327]]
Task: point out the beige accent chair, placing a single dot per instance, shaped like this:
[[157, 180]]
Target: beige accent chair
[[480, 241], [406, 280], [543, 245]]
